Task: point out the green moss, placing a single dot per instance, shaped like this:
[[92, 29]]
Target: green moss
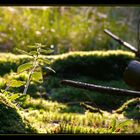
[[9, 62], [101, 65], [130, 109], [11, 120]]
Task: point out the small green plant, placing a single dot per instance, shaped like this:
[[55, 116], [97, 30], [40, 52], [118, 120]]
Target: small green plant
[[116, 128], [34, 67]]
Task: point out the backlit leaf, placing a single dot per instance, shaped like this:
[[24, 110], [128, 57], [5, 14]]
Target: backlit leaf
[[47, 51], [24, 67], [36, 76], [15, 83], [13, 97], [46, 61], [22, 97], [32, 47], [21, 51], [33, 52]]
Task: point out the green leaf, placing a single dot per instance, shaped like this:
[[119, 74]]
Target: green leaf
[[49, 68], [47, 51], [24, 67], [39, 45], [21, 51], [14, 97], [46, 61], [16, 83], [5, 92], [31, 47], [33, 52], [36, 76], [22, 98]]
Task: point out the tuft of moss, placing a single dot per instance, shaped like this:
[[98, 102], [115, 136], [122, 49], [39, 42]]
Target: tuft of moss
[[11, 120], [9, 62], [130, 108]]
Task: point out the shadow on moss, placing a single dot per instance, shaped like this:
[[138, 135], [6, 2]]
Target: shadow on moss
[[10, 119]]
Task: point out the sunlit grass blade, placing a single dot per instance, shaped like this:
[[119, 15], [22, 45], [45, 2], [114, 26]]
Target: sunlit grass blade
[[124, 123], [113, 124], [49, 68]]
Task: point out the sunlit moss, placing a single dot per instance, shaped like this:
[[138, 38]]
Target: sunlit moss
[[56, 122], [131, 108]]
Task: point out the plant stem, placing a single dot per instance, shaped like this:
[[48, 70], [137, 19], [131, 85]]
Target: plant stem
[[29, 78], [31, 72], [27, 85], [7, 87]]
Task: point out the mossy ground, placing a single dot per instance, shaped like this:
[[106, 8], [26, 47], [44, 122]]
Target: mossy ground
[[51, 117], [11, 120], [53, 108]]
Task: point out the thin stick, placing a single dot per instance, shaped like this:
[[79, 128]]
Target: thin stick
[[101, 89], [127, 45]]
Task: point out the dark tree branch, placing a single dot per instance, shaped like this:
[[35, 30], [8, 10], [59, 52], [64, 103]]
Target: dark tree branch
[[101, 89], [125, 44]]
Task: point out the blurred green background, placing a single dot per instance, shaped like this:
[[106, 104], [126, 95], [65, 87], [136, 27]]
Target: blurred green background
[[67, 28]]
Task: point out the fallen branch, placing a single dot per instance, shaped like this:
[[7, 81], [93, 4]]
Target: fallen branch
[[101, 89]]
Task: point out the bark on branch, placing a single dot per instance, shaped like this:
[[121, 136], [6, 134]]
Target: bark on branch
[[101, 89], [125, 44]]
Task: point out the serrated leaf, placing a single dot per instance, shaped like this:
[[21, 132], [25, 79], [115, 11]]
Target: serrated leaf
[[39, 45], [32, 47], [36, 76], [16, 83], [46, 61], [21, 51], [22, 98], [39, 59], [14, 97], [49, 68], [47, 51], [5, 92], [24, 67], [33, 52]]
